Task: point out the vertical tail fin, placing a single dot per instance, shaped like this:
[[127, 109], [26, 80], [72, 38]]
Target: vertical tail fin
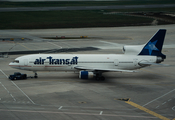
[[154, 45]]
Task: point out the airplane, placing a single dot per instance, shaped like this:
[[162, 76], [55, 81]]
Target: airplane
[[93, 65]]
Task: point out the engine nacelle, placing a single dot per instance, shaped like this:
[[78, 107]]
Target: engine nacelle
[[86, 74], [159, 60], [132, 49]]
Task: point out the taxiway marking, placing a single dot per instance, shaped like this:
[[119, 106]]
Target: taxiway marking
[[60, 107], [23, 92], [18, 88], [68, 45], [5, 87], [173, 108], [76, 113], [169, 100], [157, 106], [55, 44], [101, 112], [147, 110], [8, 91], [159, 97], [3, 73], [24, 46], [115, 44]]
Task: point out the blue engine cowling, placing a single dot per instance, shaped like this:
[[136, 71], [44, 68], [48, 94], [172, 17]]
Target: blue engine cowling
[[86, 74]]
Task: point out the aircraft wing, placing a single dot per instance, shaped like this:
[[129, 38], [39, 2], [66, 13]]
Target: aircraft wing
[[103, 70]]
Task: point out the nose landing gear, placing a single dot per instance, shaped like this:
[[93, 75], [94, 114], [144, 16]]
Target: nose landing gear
[[36, 76]]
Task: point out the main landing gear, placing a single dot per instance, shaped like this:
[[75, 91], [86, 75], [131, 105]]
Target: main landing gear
[[99, 77]]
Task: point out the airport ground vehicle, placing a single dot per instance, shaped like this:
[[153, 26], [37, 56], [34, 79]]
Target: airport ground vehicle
[[18, 76]]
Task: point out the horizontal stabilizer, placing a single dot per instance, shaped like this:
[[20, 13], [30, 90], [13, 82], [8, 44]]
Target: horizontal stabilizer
[[103, 70]]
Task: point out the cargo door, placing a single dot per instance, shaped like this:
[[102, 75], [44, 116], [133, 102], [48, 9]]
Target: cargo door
[[116, 62]]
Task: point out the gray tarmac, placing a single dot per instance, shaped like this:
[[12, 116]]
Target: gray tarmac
[[62, 95]]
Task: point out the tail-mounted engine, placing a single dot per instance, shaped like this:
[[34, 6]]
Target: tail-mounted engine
[[132, 49], [159, 60]]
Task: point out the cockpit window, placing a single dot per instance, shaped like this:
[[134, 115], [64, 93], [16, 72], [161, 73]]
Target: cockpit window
[[16, 61]]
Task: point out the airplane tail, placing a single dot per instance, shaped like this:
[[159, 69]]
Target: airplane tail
[[154, 46]]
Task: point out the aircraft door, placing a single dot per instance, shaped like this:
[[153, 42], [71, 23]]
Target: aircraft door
[[25, 62], [135, 61], [116, 62]]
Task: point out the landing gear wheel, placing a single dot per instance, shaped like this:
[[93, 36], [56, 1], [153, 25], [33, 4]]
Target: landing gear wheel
[[97, 78], [35, 75], [100, 78]]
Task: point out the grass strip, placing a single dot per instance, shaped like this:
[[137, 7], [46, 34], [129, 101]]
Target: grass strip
[[67, 19], [76, 19]]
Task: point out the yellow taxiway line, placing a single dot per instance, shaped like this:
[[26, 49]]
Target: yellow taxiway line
[[146, 110], [24, 46]]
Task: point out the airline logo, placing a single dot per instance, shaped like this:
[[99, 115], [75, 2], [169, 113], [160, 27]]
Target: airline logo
[[151, 46], [53, 61]]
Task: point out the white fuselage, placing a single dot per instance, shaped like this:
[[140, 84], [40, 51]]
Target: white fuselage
[[67, 62]]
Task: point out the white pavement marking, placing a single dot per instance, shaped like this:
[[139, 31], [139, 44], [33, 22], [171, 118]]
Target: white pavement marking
[[173, 108], [159, 97], [68, 45], [169, 46], [18, 88], [60, 107], [101, 112], [3, 73], [116, 44], [169, 100], [163, 103], [55, 44], [77, 113], [23, 92], [8, 92], [157, 106]]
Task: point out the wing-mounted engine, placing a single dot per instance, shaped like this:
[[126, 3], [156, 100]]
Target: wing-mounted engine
[[132, 49], [86, 74]]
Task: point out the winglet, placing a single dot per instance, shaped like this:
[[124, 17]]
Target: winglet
[[154, 45]]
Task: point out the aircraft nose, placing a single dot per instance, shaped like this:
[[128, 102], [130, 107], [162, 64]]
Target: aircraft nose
[[14, 65], [11, 64]]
